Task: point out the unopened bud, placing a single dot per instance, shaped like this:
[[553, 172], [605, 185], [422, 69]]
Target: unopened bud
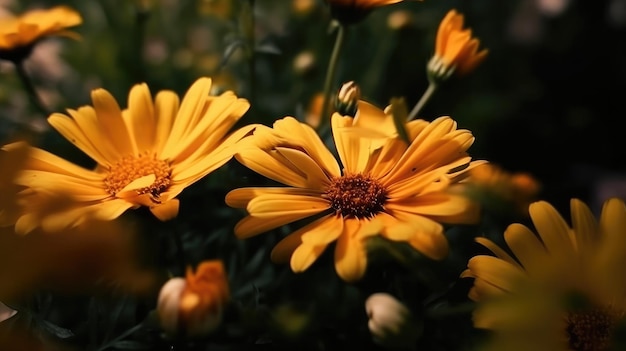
[[347, 99], [390, 322], [193, 306]]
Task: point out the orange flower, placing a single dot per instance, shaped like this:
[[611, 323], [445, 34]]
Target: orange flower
[[455, 49], [19, 34], [194, 305]]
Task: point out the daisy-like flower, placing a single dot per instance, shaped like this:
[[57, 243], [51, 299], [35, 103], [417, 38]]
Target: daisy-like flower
[[456, 51], [352, 11], [145, 154], [571, 275], [19, 34], [382, 187]]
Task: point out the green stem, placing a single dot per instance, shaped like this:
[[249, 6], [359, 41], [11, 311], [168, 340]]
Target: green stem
[[422, 101], [252, 54], [30, 89], [330, 75]]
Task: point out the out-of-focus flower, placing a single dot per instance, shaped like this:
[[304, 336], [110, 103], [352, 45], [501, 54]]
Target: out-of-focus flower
[[19, 34], [390, 322], [400, 19], [492, 185], [314, 112], [456, 51], [146, 154], [193, 306], [219, 8], [6, 312], [303, 7], [94, 258], [347, 99], [304, 62], [352, 11], [390, 188], [577, 270]]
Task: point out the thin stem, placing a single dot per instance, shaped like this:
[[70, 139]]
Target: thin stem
[[252, 54], [330, 75], [30, 88], [422, 101]]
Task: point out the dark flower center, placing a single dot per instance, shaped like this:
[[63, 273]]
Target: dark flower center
[[591, 329], [356, 195]]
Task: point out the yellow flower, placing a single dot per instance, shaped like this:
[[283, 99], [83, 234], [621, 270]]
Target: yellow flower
[[19, 34], [501, 189], [572, 275], [352, 11], [145, 154], [385, 188], [455, 49], [194, 305]]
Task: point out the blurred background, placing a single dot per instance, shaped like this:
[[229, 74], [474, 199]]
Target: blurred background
[[548, 101]]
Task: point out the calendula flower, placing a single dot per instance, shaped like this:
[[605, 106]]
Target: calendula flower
[[387, 188], [352, 11], [19, 34], [577, 270], [193, 306], [456, 51], [145, 154]]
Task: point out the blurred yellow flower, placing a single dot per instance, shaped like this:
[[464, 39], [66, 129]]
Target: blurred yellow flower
[[194, 305], [388, 188], [493, 185], [145, 154], [573, 275], [455, 49], [19, 34]]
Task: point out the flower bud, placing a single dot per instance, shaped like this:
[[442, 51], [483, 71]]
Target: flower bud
[[348, 99], [390, 322], [193, 306]]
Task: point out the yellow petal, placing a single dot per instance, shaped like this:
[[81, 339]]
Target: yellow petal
[[495, 271], [167, 210], [273, 205], [281, 253], [166, 107], [350, 254], [553, 230], [239, 198], [111, 124], [527, 248], [304, 256], [140, 118]]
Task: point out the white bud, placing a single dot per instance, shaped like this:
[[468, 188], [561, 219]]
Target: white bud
[[168, 304], [390, 322]]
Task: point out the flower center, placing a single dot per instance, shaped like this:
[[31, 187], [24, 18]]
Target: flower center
[[356, 195], [592, 329], [131, 168]]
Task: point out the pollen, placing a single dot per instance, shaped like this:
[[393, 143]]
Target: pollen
[[131, 168], [356, 195], [591, 330]]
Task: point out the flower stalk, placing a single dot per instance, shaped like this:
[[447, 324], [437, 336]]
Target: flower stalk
[[330, 75], [432, 87]]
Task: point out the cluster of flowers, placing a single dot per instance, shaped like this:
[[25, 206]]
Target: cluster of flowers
[[396, 177]]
